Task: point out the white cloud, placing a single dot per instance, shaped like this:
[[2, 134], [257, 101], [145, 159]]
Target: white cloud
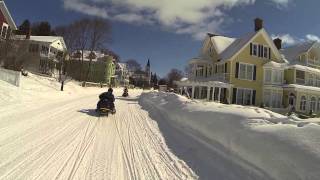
[[287, 39], [312, 37], [182, 16]]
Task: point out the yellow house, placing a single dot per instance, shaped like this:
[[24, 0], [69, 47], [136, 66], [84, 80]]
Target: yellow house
[[231, 70], [255, 70]]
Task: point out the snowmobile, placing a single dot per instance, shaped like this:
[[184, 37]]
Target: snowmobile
[[106, 108], [125, 93]]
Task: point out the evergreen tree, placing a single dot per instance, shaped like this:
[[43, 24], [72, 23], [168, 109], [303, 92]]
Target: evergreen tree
[[24, 27]]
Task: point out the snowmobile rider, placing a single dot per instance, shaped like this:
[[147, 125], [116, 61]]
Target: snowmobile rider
[[106, 96]]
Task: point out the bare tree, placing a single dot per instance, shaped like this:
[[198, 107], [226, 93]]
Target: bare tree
[[133, 65], [98, 35], [174, 75]]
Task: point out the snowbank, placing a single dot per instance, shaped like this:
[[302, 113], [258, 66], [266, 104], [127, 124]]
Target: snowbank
[[35, 88], [244, 142]]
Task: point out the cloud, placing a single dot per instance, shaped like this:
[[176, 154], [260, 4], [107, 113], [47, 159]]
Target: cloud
[[287, 39], [193, 17], [312, 37]]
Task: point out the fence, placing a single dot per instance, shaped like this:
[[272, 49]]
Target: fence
[[12, 77]]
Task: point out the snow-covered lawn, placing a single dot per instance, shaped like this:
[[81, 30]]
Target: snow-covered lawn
[[234, 142], [49, 134]]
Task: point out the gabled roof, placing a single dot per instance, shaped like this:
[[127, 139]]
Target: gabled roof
[[238, 45], [292, 53], [220, 43], [7, 15]]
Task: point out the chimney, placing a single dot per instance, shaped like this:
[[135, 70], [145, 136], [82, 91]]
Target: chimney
[[258, 24], [28, 34], [278, 43]]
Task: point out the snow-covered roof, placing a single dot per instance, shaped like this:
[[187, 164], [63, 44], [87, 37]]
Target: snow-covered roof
[[221, 42], [236, 46], [184, 79], [7, 15], [273, 64], [302, 87], [304, 68], [292, 53]]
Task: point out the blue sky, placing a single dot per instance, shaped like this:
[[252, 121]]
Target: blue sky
[[169, 32]]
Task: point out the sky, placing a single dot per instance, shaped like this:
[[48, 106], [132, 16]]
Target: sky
[[170, 32]]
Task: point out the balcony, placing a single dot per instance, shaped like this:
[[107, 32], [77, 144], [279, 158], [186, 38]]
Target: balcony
[[221, 77], [313, 62], [309, 82]]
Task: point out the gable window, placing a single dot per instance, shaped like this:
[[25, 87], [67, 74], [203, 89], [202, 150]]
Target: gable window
[[260, 50], [255, 49], [246, 71]]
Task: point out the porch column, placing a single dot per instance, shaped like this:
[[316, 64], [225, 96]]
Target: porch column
[[230, 95], [219, 95], [208, 93], [213, 88], [193, 88]]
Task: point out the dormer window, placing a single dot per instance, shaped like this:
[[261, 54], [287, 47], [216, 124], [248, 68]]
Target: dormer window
[[260, 51]]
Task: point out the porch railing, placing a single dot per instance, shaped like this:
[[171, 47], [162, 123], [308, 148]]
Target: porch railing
[[222, 77]]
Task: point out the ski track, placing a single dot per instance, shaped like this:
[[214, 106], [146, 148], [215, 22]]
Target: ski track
[[56, 141]]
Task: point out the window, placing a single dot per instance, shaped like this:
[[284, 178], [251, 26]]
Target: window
[[267, 75], [260, 51], [318, 105], [246, 71], [272, 98], [4, 31], [244, 96], [313, 104], [255, 49], [220, 68], [303, 103]]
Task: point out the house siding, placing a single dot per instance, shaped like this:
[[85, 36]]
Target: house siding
[[245, 57]]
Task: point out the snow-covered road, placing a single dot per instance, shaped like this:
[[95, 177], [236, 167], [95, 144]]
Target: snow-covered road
[[64, 139]]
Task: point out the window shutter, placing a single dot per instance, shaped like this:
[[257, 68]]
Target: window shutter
[[234, 96], [254, 97], [250, 48], [225, 67], [237, 70], [269, 53], [254, 72]]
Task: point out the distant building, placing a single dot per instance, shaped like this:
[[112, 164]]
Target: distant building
[[44, 53], [39, 54], [103, 67], [142, 78], [122, 74]]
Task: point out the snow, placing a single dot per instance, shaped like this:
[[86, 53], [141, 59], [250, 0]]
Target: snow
[[49, 134], [305, 88], [304, 68], [235, 142], [221, 42]]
